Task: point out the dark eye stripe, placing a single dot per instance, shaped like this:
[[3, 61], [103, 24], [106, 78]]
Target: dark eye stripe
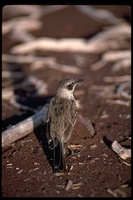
[[70, 87]]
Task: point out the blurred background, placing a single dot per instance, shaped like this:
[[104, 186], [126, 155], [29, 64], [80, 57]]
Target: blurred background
[[42, 45]]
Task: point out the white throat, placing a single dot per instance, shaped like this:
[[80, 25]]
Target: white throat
[[65, 93]]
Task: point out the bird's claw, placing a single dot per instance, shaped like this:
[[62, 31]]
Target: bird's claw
[[50, 144], [74, 150]]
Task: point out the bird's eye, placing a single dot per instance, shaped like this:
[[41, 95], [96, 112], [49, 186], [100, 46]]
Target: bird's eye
[[70, 86]]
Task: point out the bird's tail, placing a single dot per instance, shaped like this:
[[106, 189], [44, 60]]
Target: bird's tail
[[59, 156]]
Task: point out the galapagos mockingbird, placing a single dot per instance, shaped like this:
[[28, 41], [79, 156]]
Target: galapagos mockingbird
[[61, 117]]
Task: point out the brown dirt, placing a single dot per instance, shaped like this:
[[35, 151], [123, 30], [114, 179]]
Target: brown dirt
[[26, 169]]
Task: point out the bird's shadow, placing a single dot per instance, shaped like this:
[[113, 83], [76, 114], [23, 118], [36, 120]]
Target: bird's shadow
[[40, 134], [28, 97], [107, 142]]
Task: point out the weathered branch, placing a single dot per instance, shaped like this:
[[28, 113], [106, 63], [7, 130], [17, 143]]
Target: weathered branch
[[39, 62], [122, 56], [23, 128], [8, 93], [118, 102], [56, 66], [97, 44], [116, 79], [27, 59], [124, 89], [100, 15], [8, 74], [121, 65], [40, 87], [23, 24], [123, 152]]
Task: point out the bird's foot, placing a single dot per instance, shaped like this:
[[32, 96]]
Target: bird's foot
[[58, 173], [62, 172], [50, 144], [74, 149]]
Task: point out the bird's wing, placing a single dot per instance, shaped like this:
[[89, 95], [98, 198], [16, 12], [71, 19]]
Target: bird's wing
[[60, 121], [52, 128], [71, 123], [73, 113]]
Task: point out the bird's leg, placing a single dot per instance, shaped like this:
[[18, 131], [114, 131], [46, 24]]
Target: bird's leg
[[49, 139], [50, 144]]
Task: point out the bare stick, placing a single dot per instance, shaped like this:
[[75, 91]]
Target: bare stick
[[20, 27], [40, 85], [99, 43], [98, 65], [102, 87], [124, 57], [102, 15], [69, 185], [50, 9], [50, 44], [123, 78], [112, 56], [56, 66], [121, 65], [123, 152], [111, 192], [23, 24], [39, 62], [8, 74], [116, 192], [118, 102], [27, 59], [112, 38], [105, 91], [20, 10], [23, 128], [40, 88], [111, 91], [122, 89], [33, 10], [7, 94]]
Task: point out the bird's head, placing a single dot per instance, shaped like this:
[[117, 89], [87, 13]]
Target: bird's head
[[66, 86]]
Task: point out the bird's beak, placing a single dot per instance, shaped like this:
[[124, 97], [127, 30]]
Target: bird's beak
[[79, 80]]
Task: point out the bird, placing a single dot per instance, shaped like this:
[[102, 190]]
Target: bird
[[60, 121]]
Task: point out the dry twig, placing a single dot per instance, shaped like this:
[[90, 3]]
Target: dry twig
[[40, 88], [23, 128], [121, 56], [71, 185], [8, 74], [124, 89], [122, 64], [111, 91], [8, 93], [100, 15], [116, 79], [114, 38], [27, 59], [56, 66], [123, 152], [40, 62], [118, 102]]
